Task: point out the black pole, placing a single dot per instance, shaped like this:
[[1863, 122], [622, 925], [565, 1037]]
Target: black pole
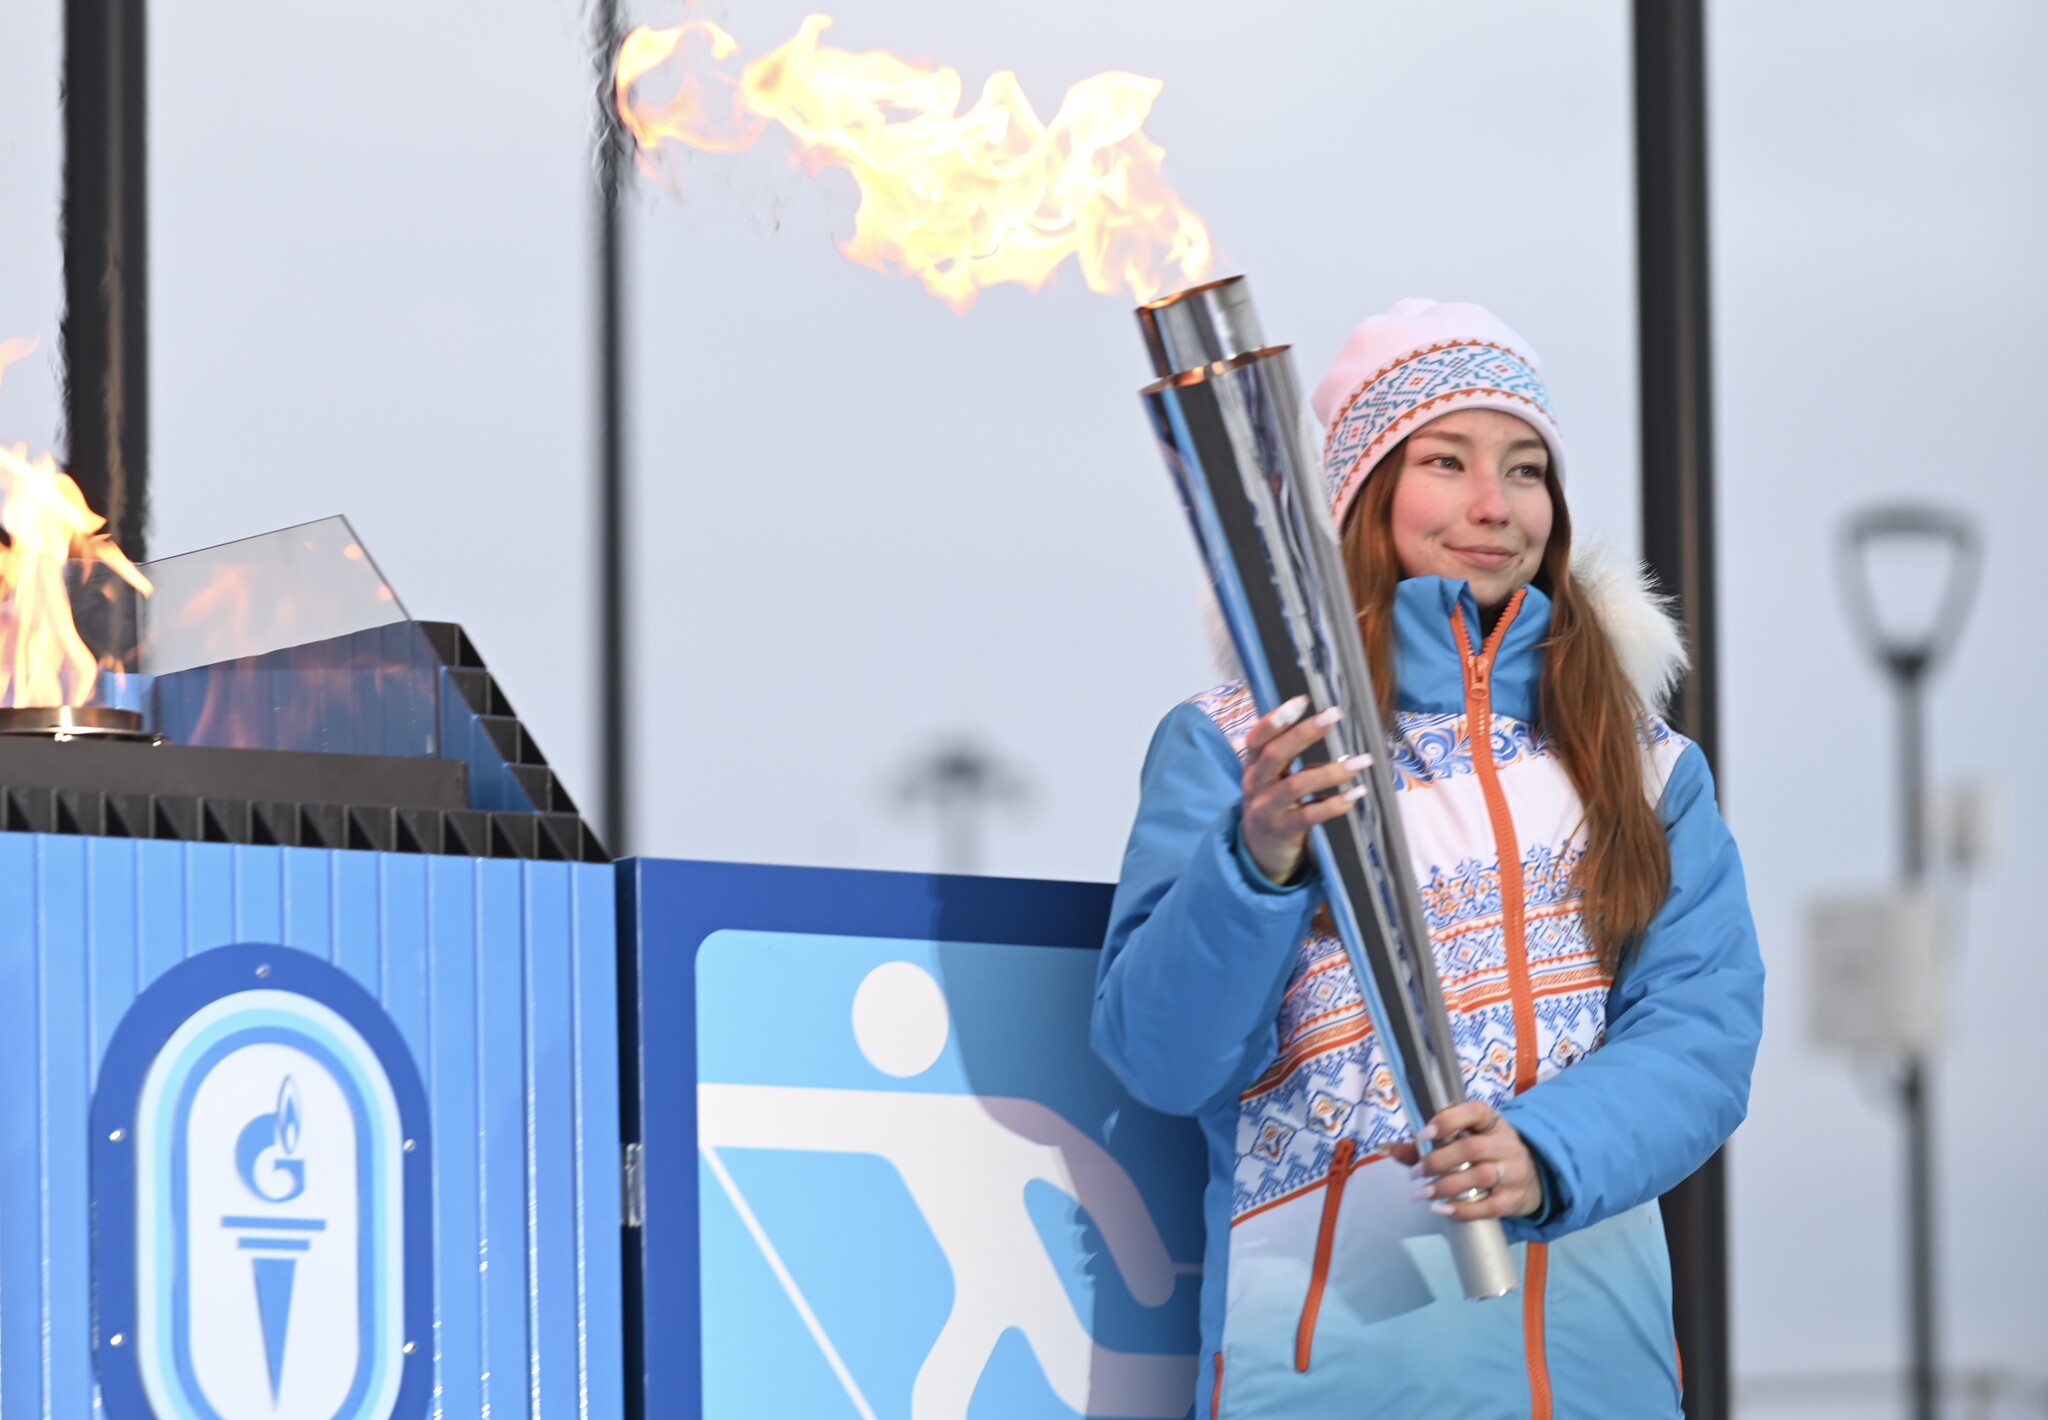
[[106, 263], [1909, 673], [612, 156], [613, 692], [1672, 261], [1909, 658]]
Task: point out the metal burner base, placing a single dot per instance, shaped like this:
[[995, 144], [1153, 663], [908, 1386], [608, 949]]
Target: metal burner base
[[74, 722]]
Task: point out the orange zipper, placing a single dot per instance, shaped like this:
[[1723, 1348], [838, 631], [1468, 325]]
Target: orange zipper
[[1216, 1395], [1333, 1199], [1515, 945], [1507, 847]]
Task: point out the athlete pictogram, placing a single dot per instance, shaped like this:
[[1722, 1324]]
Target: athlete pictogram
[[966, 1161]]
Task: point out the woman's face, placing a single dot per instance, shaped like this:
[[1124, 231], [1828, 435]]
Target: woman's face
[[1473, 504]]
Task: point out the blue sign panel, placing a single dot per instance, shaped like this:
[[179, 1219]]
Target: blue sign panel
[[912, 1190], [263, 1193]]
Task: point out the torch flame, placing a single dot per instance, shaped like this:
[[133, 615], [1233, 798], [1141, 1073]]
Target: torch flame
[[43, 660], [687, 118], [962, 201]]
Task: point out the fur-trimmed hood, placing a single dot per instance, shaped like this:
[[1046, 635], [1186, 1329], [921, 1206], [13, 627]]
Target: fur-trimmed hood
[[1638, 619]]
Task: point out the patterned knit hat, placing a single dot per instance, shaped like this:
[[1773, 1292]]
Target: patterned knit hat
[[1417, 362]]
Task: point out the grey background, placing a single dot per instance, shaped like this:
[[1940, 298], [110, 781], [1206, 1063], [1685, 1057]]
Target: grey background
[[863, 524]]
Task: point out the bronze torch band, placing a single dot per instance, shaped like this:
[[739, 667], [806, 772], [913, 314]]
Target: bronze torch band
[[1228, 413], [74, 722]]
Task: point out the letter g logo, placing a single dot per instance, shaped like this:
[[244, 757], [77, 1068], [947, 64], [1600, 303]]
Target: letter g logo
[[263, 1154]]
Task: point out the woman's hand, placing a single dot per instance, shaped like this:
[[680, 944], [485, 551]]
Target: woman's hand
[[1500, 1161], [1281, 807]]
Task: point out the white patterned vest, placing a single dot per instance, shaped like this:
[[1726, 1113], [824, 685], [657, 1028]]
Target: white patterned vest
[[1526, 992]]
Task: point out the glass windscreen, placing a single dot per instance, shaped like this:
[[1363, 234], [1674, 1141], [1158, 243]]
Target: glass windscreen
[[292, 587], [289, 640]]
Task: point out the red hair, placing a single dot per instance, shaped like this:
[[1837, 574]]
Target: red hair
[[1589, 712]]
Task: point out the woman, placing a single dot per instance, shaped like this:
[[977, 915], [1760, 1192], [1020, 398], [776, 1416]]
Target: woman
[[1606, 998]]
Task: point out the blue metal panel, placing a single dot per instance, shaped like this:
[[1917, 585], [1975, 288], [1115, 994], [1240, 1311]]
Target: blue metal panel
[[599, 1259], [451, 1072], [112, 891], [679, 905], [551, 1173], [209, 896], [21, 1212], [499, 976], [501, 1131], [404, 947], [67, 1066], [309, 900], [356, 922], [259, 900], [160, 909]]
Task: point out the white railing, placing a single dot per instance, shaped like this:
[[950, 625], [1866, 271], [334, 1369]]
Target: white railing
[[1967, 1393]]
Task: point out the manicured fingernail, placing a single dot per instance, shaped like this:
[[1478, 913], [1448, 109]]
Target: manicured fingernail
[[1293, 710], [1415, 1169], [1354, 793], [1425, 1191], [1429, 1130], [1330, 716], [1445, 1209], [1358, 762]]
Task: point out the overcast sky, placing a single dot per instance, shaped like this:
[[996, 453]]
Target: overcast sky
[[863, 524]]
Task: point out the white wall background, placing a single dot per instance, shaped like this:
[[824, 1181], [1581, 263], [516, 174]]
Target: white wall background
[[862, 523], [31, 253], [1880, 302], [876, 523]]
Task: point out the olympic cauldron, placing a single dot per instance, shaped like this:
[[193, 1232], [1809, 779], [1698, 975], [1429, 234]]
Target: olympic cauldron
[[301, 923], [343, 1076]]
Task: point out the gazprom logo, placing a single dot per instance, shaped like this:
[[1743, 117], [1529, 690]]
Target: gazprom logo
[[261, 1194]]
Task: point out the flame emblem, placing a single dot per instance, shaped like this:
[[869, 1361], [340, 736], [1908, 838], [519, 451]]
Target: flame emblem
[[288, 1116], [264, 1153]]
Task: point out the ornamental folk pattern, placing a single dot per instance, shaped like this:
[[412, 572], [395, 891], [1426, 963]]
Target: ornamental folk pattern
[[1329, 1079], [1290, 1119], [1414, 389]]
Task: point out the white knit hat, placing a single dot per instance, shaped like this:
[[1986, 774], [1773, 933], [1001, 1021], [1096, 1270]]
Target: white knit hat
[[1419, 361]]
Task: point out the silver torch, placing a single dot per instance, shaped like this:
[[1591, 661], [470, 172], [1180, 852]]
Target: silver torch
[[1228, 412]]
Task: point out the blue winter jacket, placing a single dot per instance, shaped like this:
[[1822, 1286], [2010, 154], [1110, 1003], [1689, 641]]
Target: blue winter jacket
[[1327, 1290]]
